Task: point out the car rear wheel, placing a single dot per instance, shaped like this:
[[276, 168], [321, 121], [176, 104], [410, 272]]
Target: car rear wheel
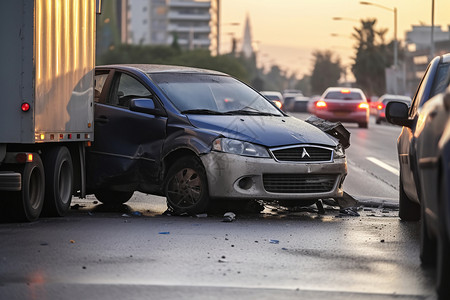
[[443, 257], [111, 197], [408, 210], [427, 243], [186, 186], [363, 125]]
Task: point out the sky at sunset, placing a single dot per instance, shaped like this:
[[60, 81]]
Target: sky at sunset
[[287, 31]]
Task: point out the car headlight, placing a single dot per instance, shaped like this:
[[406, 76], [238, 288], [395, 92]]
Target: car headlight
[[239, 147], [339, 152]]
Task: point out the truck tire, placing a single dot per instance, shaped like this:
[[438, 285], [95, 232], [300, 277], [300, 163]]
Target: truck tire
[[27, 204], [408, 210], [186, 186], [58, 181], [110, 197]]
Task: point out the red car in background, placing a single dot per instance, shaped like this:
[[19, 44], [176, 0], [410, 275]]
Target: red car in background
[[344, 105]]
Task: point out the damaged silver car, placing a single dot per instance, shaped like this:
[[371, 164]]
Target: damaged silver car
[[196, 136]]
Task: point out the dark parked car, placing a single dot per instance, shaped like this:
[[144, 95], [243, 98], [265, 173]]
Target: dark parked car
[[345, 105], [434, 81], [432, 148], [380, 107], [196, 135], [424, 155]]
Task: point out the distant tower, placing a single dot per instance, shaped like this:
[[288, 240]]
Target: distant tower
[[247, 47]]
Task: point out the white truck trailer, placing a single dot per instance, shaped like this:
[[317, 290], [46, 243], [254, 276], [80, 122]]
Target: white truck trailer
[[46, 103]]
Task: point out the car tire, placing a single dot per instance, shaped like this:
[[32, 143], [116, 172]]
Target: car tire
[[363, 125], [443, 245], [58, 182], [186, 186], [427, 243], [408, 210], [110, 197], [378, 121]]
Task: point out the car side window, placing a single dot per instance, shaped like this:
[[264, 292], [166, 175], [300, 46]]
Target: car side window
[[419, 94], [99, 80], [127, 88]]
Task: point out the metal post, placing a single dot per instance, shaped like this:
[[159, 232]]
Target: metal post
[[432, 31]]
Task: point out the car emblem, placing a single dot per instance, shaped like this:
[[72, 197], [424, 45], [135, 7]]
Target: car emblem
[[305, 153]]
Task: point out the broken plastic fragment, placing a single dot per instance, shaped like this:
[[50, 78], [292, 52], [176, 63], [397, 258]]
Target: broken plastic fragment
[[350, 211], [136, 213], [228, 217], [274, 241], [164, 232]]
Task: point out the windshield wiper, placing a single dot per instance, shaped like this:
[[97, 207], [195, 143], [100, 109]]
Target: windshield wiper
[[251, 112], [203, 112]]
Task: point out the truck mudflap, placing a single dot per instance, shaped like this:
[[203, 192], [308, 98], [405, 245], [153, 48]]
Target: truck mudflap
[[10, 181]]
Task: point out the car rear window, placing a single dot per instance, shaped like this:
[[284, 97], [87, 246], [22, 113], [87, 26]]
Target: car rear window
[[344, 96]]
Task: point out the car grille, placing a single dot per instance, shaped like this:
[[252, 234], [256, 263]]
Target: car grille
[[303, 154], [298, 183]]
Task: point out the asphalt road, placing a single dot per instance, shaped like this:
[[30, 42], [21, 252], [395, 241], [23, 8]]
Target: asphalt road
[[134, 251]]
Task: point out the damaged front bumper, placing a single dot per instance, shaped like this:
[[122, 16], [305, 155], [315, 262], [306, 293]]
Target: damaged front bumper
[[241, 177]]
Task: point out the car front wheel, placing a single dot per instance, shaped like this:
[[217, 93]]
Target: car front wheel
[[186, 186], [110, 197], [443, 257]]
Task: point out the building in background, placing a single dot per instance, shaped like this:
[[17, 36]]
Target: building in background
[[159, 22], [193, 23], [418, 53]]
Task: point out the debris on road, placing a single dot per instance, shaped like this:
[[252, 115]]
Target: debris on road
[[125, 215], [164, 232], [346, 201], [349, 211], [136, 213], [274, 241], [202, 215], [229, 217]]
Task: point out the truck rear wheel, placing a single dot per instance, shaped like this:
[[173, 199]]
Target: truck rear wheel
[[27, 204], [58, 181]]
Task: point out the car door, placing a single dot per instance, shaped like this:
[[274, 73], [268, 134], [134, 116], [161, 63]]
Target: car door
[[434, 81], [126, 151]]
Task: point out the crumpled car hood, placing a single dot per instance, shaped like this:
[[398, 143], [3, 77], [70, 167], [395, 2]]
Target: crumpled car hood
[[264, 130]]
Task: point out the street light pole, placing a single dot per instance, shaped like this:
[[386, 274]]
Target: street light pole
[[394, 10]]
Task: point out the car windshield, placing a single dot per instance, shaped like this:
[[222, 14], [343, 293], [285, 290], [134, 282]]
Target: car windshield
[[344, 96], [212, 94]]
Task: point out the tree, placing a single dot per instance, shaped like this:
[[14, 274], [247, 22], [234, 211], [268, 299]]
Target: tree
[[371, 58], [326, 72]]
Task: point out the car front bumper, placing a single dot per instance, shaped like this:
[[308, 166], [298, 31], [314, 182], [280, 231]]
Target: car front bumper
[[239, 177]]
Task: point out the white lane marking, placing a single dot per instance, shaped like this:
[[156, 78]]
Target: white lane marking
[[383, 165]]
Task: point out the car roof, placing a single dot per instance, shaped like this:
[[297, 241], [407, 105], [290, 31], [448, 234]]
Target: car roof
[[153, 68], [338, 89], [274, 93], [394, 97]]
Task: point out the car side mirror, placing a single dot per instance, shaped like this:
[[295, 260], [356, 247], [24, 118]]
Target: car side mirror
[[397, 113], [147, 106]]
